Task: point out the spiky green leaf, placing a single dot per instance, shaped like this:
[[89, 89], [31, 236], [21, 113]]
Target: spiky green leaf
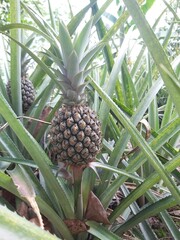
[[12, 226], [164, 67], [90, 53], [76, 20], [82, 40], [78, 80], [72, 65], [66, 43], [61, 77]]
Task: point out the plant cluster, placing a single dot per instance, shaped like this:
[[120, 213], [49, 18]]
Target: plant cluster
[[89, 123]]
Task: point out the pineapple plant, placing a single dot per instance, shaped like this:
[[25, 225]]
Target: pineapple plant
[[27, 88], [75, 132]]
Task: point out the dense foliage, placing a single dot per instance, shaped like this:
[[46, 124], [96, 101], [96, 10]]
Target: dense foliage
[[131, 76]]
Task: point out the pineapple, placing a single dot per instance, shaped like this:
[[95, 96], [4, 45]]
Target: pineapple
[[75, 132], [27, 88]]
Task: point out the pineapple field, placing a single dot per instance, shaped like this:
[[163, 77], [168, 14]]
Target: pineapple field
[[89, 120]]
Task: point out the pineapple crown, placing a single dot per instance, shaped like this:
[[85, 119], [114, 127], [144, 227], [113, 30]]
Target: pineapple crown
[[73, 58]]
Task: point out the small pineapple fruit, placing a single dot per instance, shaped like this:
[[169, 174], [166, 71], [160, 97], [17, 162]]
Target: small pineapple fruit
[[75, 134], [27, 88], [28, 93]]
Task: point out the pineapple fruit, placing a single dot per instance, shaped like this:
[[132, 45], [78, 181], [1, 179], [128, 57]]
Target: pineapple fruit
[[27, 88], [28, 93], [75, 132]]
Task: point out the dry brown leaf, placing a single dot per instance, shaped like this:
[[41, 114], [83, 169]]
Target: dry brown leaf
[[95, 210], [25, 189], [147, 127]]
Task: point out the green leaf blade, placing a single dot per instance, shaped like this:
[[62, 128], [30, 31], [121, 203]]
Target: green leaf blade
[[82, 40], [11, 227], [165, 69], [66, 43]]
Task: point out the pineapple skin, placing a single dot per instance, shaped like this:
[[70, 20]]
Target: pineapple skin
[[75, 135], [28, 93]]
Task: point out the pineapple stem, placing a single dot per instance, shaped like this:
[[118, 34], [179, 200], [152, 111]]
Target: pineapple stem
[[79, 208], [78, 203]]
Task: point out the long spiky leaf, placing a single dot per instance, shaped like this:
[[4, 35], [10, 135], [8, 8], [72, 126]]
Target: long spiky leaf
[[82, 40], [27, 27], [156, 51], [36, 59], [66, 43], [148, 152], [39, 156]]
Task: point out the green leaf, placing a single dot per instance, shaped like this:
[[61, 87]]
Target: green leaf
[[140, 141], [36, 59], [101, 232], [136, 162], [55, 59], [37, 77], [101, 31], [87, 183], [123, 140], [22, 182], [12, 226], [172, 10], [8, 146], [151, 210], [15, 156], [116, 170], [53, 217], [148, 4], [23, 162], [165, 69], [152, 111], [145, 228], [142, 189], [7, 183], [167, 112], [89, 54], [72, 65], [131, 97], [43, 25], [25, 189], [11, 26], [170, 224], [61, 77], [15, 61], [39, 157], [101, 11], [82, 40], [78, 80], [110, 86], [77, 19], [66, 43], [51, 14]]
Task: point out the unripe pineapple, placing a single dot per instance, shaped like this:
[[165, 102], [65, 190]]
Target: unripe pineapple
[[27, 88], [75, 135], [28, 93]]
